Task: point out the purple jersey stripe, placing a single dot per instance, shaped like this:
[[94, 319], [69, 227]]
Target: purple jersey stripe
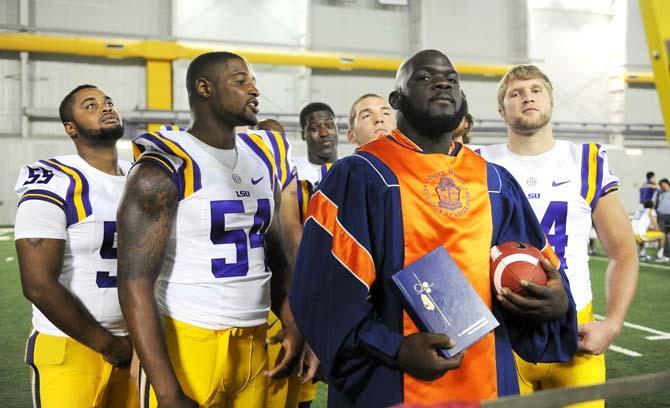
[[246, 139], [277, 157], [166, 166], [197, 180], [599, 176], [70, 209], [585, 170], [30, 360], [613, 186], [44, 195], [84, 188]]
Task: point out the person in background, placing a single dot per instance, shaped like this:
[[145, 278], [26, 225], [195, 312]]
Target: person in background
[[462, 132], [645, 226], [370, 117], [271, 125], [649, 188], [663, 210]]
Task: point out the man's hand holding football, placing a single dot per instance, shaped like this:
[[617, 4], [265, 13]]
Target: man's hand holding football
[[548, 302]]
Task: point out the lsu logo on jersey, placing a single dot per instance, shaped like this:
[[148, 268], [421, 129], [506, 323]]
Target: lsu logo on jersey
[[447, 194]]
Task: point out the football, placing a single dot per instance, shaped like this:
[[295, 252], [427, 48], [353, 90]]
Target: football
[[514, 261]]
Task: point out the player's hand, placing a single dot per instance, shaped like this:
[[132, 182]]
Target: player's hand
[[418, 356], [548, 302], [596, 337], [119, 352], [292, 344], [308, 365]]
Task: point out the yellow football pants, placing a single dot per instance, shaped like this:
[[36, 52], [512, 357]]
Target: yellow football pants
[[65, 373], [584, 369], [216, 368], [286, 392]]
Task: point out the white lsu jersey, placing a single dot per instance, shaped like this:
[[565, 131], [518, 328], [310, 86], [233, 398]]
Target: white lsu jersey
[[563, 186], [311, 172], [214, 273], [88, 199]]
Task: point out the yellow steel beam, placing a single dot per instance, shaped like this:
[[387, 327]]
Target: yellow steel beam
[[639, 77], [170, 50], [656, 19], [159, 88]]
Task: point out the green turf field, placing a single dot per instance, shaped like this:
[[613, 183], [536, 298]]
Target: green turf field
[[650, 310]]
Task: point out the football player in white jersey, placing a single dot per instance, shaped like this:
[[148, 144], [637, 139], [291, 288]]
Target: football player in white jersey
[[199, 246], [65, 231], [570, 188], [319, 131]]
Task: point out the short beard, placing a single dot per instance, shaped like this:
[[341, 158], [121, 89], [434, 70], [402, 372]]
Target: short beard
[[432, 125], [523, 125], [104, 136]]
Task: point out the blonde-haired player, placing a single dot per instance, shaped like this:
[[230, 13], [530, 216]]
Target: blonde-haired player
[[65, 231], [570, 188]]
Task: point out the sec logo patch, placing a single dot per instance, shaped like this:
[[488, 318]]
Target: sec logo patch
[[447, 194]]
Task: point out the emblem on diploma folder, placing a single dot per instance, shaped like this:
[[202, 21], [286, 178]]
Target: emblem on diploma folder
[[440, 299]]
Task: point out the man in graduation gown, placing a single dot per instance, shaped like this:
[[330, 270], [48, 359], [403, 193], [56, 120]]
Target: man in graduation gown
[[380, 209]]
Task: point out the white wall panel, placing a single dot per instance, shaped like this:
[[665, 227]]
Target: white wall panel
[[374, 31], [149, 18], [642, 106], [637, 51], [578, 51], [482, 100], [473, 31], [9, 11], [273, 22], [10, 90], [123, 81]]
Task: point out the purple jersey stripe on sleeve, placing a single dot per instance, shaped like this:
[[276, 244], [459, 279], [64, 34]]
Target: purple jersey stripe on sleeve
[[613, 186], [84, 188], [585, 170], [599, 176], [69, 208]]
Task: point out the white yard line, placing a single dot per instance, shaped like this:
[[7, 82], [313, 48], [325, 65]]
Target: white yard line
[[9, 259], [659, 335], [625, 351], [5, 238], [649, 265], [4, 231]]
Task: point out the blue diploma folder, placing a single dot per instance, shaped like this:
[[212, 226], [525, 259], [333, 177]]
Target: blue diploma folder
[[440, 299]]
